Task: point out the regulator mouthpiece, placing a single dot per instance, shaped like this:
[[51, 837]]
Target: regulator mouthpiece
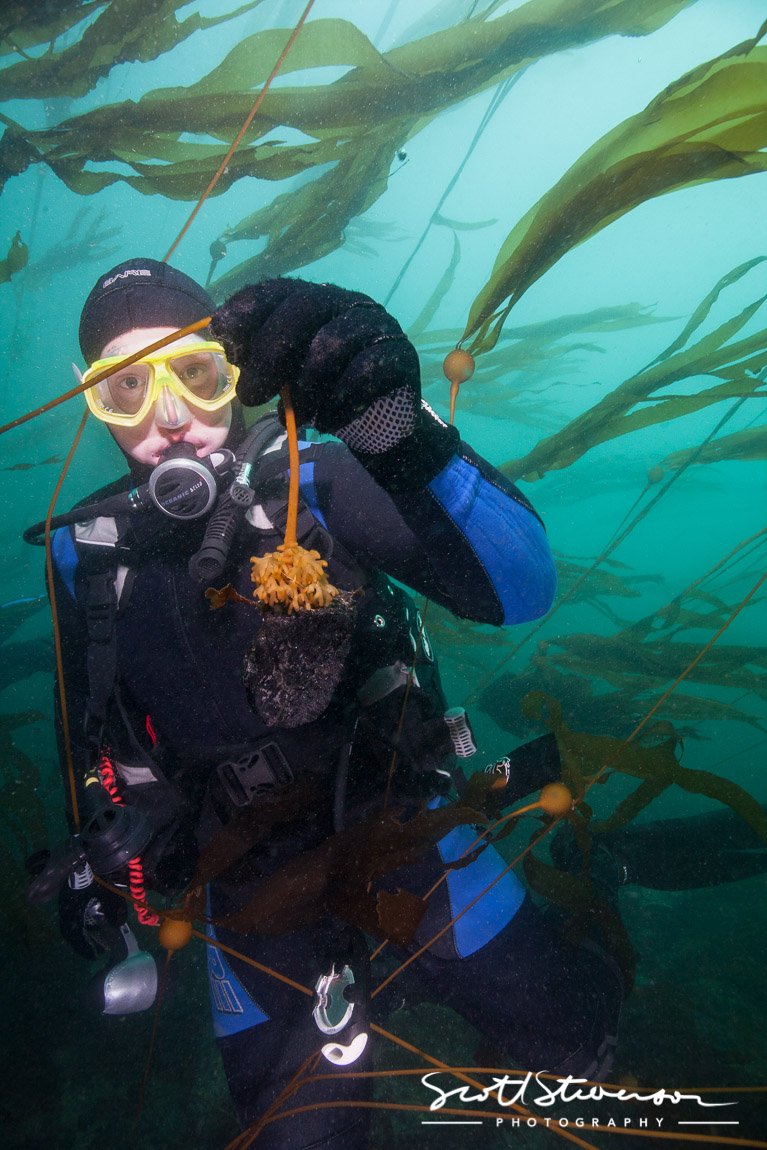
[[185, 487]]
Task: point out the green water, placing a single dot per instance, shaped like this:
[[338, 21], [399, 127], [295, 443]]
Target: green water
[[696, 1015]]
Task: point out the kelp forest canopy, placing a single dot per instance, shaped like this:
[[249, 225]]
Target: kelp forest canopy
[[355, 125], [557, 187], [94, 110]]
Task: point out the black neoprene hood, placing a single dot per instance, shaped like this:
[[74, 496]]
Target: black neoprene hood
[[139, 293]]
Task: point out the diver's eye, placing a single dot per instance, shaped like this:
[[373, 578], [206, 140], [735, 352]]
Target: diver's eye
[[127, 389], [188, 369], [197, 372], [130, 382]]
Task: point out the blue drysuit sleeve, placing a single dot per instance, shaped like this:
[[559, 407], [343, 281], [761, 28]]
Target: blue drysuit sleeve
[[469, 539]]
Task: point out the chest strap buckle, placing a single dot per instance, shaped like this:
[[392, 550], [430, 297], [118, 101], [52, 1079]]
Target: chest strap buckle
[[256, 775]]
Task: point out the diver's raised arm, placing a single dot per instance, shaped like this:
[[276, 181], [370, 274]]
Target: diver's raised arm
[[451, 526]]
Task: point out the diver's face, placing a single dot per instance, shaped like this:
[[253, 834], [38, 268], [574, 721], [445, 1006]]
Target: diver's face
[[206, 431]]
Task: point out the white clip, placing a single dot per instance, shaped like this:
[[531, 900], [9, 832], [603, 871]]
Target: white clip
[[341, 1055]]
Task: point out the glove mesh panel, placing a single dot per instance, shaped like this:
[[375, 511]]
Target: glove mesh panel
[[382, 425]]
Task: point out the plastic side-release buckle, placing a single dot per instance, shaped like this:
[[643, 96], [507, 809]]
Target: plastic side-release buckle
[[255, 775]]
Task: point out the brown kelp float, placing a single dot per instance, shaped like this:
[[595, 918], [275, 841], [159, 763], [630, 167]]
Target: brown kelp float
[[652, 758], [458, 367]]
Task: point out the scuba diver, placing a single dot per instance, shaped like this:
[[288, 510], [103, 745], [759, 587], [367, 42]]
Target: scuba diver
[[177, 725]]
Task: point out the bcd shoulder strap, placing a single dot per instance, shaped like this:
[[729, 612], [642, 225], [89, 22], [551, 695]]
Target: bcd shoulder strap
[[100, 617]]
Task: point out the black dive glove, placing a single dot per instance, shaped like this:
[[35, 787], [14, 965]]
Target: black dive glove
[[351, 370]]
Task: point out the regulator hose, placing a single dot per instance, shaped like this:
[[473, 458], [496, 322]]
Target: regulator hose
[[209, 562]]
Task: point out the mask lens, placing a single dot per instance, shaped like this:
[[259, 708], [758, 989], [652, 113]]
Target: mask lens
[[125, 391], [204, 374]]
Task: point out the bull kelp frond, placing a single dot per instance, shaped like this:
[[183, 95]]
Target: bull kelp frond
[[749, 444], [735, 368], [15, 259], [709, 125], [652, 759], [115, 36], [351, 128], [26, 26], [523, 376]]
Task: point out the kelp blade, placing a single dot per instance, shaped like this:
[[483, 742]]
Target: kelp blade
[[710, 124]]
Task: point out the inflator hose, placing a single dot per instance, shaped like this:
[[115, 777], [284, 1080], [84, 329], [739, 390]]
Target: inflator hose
[[113, 506], [209, 562]]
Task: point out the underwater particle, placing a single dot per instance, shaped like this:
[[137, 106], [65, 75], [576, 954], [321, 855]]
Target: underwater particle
[[556, 799], [174, 933]]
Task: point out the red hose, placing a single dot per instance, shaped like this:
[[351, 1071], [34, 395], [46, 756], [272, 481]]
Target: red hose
[[136, 886]]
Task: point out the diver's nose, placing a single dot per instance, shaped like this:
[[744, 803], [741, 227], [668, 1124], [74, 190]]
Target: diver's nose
[[170, 411]]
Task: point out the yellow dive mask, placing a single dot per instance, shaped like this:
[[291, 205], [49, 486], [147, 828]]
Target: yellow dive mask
[[194, 373]]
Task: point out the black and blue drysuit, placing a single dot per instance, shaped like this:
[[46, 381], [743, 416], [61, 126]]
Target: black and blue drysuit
[[471, 542]]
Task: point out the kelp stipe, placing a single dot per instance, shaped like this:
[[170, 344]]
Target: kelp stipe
[[329, 232]]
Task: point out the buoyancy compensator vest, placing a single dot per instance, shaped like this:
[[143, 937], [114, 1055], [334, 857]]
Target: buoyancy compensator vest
[[390, 688]]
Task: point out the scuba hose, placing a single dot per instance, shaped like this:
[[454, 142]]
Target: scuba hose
[[209, 562], [181, 486], [185, 487]]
